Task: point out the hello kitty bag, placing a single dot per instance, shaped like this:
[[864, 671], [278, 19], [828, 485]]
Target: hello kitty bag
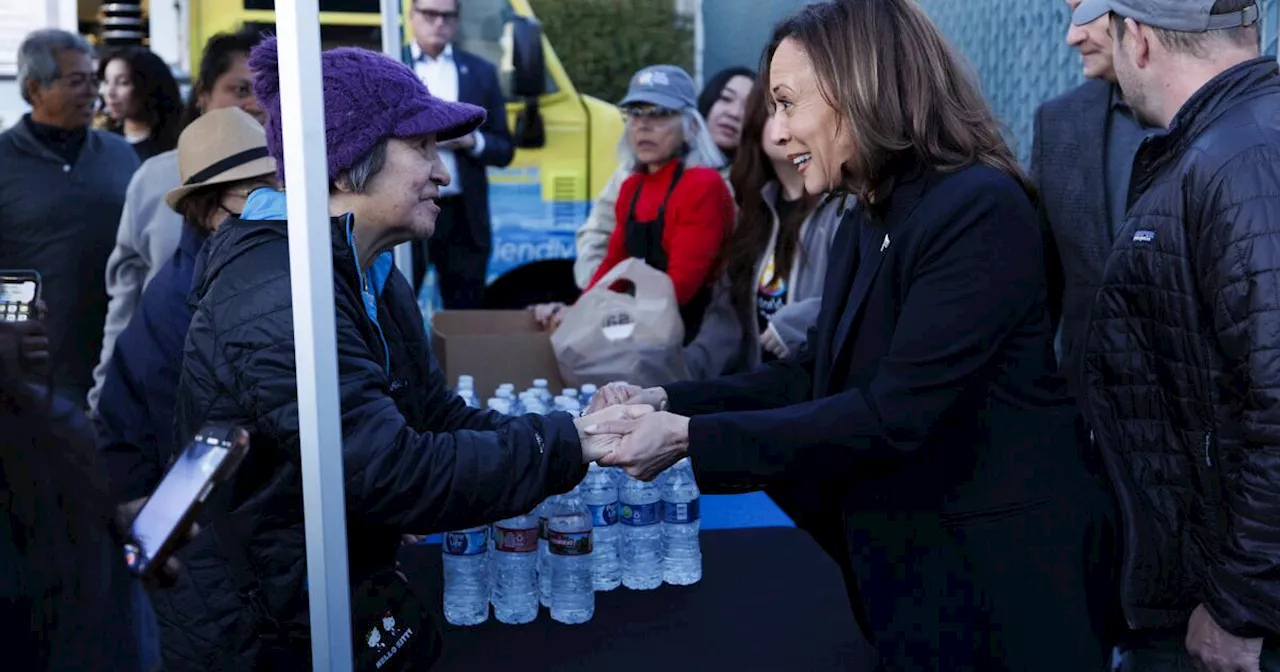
[[389, 627]]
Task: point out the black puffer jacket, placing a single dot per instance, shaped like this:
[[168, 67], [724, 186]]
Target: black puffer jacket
[[417, 460], [1182, 362]]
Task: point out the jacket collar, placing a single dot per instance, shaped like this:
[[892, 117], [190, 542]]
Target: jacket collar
[[1222, 93], [29, 143]]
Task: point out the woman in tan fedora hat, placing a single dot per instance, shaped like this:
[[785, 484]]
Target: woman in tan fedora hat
[[222, 157]]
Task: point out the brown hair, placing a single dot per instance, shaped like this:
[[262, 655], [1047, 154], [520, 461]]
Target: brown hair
[[752, 170], [201, 204], [902, 89], [1197, 44]]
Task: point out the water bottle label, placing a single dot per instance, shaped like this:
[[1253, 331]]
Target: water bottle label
[[515, 541], [472, 542], [570, 543], [683, 512], [640, 514], [603, 515]]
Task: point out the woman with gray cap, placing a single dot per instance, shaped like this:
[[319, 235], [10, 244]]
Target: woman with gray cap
[[675, 210], [416, 459]]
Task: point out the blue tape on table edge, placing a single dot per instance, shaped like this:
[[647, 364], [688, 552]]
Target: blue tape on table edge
[[727, 512]]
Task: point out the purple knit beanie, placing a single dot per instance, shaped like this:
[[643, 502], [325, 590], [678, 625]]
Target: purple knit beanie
[[367, 97]]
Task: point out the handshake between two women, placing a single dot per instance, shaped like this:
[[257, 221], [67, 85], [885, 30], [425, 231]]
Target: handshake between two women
[[627, 426]]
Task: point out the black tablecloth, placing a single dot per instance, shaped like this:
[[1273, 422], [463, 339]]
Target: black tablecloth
[[769, 599]]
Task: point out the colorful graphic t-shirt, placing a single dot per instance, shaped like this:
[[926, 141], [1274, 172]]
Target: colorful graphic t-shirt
[[771, 291], [771, 294]]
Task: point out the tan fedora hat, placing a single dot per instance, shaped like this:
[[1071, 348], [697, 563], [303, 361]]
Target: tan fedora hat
[[221, 146]]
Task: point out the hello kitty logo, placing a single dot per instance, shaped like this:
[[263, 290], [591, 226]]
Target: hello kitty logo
[[374, 639]]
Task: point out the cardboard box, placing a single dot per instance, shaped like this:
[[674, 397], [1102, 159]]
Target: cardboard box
[[495, 347]]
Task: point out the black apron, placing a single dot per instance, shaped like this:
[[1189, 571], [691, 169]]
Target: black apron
[[644, 241]]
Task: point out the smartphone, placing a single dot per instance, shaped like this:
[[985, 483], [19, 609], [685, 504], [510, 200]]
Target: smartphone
[[211, 458], [19, 291]]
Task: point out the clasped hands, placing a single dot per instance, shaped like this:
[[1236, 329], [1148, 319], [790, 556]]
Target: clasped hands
[[622, 428]]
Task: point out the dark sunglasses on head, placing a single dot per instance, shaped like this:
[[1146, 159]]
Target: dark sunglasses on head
[[648, 112]]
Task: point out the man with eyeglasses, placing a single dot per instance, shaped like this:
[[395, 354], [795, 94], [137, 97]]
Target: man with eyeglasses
[[62, 186], [459, 249]]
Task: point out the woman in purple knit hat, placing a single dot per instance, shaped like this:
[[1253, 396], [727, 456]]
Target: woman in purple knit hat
[[417, 460]]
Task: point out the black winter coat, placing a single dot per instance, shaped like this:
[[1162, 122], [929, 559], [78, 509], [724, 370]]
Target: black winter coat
[[417, 460], [1182, 362]]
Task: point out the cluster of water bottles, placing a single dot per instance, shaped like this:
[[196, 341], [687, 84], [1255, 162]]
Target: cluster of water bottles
[[608, 531]]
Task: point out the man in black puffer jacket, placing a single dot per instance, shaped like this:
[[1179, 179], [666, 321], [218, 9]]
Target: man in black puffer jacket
[[1181, 367], [416, 459]]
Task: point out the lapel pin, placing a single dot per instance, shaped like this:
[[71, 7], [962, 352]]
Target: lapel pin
[[885, 245]]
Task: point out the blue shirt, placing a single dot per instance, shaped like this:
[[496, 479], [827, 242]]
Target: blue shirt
[[1124, 135]]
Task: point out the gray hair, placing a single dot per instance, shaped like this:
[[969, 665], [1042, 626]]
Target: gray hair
[[356, 178], [38, 56], [701, 149]]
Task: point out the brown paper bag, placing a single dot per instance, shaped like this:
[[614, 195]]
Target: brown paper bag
[[609, 336]]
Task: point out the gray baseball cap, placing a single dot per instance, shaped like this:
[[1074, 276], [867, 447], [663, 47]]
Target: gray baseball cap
[[1089, 11], [667, 86], [1184, 16]]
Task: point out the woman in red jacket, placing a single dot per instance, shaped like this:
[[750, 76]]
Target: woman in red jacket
[[676, 210]]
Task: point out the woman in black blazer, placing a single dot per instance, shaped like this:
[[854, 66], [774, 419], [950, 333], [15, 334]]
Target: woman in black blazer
[[928, 387]]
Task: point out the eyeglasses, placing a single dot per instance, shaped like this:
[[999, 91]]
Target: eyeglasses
[[433, 15], [78, 80]]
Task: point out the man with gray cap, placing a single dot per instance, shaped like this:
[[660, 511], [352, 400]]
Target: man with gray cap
[[1081, 156], [1180, 375]]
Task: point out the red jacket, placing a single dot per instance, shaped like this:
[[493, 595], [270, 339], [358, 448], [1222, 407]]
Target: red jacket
[[699, 218]]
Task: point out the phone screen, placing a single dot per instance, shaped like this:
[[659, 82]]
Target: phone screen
[[16, 297], [184, 485]]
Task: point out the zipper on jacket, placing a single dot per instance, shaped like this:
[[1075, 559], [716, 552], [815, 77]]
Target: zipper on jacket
[[1208, 459], [366, 289]]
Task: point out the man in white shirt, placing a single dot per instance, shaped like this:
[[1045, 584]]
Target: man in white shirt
[[462, 242]]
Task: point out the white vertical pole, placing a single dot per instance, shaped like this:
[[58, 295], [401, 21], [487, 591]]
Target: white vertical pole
[[391, 46], [315, 341], [699, 43]]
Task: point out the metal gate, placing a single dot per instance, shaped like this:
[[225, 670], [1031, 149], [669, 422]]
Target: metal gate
[[1016, 47]]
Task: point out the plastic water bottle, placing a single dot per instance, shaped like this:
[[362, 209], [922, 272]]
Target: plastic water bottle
[[572, 393], [601, 497], [467, 390], [502, 406], [466, 576], [682, 553], [532, 403], [567, 404], [619, 478], [573, 597], [640, 512], [543, 388], [544, 511], [588, 392], [506, 395], [515, 569]]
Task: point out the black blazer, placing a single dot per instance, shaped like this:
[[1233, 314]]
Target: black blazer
[[928, 382], [1068, 156], [478, 84]]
